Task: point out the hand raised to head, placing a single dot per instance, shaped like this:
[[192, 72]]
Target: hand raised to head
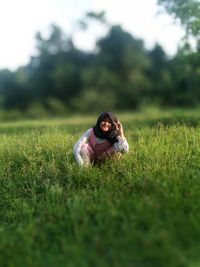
[[119, 128]]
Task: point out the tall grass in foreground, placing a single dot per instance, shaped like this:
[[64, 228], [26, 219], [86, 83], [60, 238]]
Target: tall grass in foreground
[[141, 211]]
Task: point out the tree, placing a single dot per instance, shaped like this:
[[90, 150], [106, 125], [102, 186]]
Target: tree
[[185, 65], [14, 89], [56, 71], [125, 57], [187, 11]]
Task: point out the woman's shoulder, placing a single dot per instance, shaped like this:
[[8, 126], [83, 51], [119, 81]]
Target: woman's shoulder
[[85, 136], [88, 132]]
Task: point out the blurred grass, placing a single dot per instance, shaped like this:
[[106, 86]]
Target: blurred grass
[[140, 211]]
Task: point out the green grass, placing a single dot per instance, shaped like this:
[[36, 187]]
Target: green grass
[[142, 211]]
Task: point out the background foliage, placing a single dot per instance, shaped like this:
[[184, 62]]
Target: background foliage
[[119, 74]]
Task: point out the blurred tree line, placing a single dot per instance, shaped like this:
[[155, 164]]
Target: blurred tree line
[[119, 74]]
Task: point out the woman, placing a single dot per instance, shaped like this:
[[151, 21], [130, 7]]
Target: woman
[[104, 140]]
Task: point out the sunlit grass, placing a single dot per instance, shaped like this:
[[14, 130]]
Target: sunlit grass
[[140, 211]]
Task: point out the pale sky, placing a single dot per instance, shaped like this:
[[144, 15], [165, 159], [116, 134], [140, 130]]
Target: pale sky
[[21, 19]]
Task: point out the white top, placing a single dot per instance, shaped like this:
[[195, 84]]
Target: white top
[[120, 146]]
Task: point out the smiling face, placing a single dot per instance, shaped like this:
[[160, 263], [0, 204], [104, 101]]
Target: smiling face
[[106, 124]]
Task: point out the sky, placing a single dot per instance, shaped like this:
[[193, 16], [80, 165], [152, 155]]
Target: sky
[[21, 19]]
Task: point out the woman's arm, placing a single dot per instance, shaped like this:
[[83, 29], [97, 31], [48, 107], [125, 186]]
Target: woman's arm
[[122, 144], [77, 147]]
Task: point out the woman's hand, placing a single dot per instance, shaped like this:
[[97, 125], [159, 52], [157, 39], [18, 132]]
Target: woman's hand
[[119, 128]]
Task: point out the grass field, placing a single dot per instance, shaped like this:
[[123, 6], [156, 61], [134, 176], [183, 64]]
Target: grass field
[[142, 211]]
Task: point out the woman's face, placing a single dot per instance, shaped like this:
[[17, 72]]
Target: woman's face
[[106, 124]]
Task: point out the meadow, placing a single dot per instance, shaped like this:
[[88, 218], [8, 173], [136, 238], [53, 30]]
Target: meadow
[[141, 211]]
